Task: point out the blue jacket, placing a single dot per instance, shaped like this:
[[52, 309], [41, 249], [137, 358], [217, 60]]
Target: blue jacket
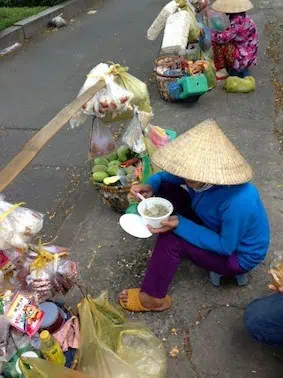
[[234, 219]]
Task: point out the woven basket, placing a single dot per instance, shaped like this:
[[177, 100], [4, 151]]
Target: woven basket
[[114, 196], [162, 81]]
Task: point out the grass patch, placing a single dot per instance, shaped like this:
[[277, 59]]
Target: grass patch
[[9, 16]]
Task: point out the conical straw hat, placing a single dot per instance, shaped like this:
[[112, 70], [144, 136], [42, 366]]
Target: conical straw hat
[[204, 154], [232, 6]]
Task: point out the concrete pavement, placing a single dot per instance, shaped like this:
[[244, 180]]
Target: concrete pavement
[[45, 75]]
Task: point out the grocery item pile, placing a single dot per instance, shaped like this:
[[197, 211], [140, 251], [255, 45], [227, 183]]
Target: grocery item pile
[[39, 335]]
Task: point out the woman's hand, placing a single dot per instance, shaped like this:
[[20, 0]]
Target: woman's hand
[[143, 189], [167, 226]]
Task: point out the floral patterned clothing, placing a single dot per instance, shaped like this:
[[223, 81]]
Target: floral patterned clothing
[[243, 34]]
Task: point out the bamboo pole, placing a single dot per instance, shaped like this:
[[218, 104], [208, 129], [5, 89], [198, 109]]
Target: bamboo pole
[[38, 141]]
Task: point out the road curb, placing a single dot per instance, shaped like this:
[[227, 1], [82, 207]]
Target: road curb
[[31, 26]]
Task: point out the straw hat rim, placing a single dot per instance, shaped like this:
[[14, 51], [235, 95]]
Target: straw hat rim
[[221, 164], [242, 6]]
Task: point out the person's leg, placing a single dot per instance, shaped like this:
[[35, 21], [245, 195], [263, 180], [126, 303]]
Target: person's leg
[[245, 72], [264, 319], [165, 261]]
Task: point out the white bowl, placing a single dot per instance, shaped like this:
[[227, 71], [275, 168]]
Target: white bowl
[[154, 222]]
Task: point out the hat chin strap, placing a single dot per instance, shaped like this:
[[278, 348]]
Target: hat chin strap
[[203, 188]]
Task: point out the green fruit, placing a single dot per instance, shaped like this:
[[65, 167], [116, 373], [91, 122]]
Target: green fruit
[[112, 156], [113, 171], [99, 176], [114, 162], [123, 153], [111, 180], [100, 161], [130, 170], [99, 168]]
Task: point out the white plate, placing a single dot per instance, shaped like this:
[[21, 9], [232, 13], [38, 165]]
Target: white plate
[[133, 225]]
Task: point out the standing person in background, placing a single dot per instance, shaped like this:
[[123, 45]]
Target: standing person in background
[[235, 49]]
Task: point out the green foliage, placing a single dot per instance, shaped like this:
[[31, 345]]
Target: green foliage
[[29, 3]]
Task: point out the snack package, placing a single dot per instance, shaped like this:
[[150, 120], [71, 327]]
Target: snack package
[[101, 140], [17, 225], [160, 21], [176, 32], [23, 314], [276, 270], [51, 272]]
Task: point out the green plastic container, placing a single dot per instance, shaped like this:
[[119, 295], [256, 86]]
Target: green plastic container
[[195, 85]]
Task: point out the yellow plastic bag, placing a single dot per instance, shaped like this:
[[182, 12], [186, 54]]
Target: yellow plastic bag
[[39, 368], [112, 348], [136, 87], [234, 84]]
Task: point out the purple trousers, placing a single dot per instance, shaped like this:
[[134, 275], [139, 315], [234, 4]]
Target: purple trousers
[[170, 248]]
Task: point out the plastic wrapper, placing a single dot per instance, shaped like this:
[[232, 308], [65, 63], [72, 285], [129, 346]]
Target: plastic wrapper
[[93, 77], [205, 40], [115, 102], [39, 368], [110, 101], [276, 270], [101, 140], [216, 20], [160, 21], [51, 272], [234, 84], [112, 348], [133, 136], [194, 32], [176, 32], [210, 73], [17, 225], [199, 5]]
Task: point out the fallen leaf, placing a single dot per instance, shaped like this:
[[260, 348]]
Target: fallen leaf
[[174, 331], [174, 353]]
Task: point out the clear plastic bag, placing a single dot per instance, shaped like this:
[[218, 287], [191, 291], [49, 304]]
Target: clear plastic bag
[[101, 140], [17, 225], [112, 348], [51, 272], [92, 78], [111, 101], [234, 84], [276, 270], [39, 368], [205, 40], [133, 136], [216, 20]]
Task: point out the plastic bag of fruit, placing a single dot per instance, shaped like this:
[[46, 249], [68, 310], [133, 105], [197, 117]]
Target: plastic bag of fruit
[[101, 140]]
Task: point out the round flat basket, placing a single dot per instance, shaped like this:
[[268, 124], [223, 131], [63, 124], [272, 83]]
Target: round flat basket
[[114, 196]]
